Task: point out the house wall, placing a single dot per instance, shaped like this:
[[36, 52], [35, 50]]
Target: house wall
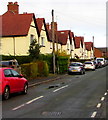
[[78, 52], [66, 47], [72, 48], [18, 45], [47, 46]]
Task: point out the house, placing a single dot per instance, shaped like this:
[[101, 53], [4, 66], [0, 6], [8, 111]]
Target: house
[[18, 31], [66, 40], [79, 47], [89, 50], [57, 45], [101, 52], [44, 39]]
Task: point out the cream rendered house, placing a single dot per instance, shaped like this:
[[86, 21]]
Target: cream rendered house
[[44, 42], [18, 31], [72, 45], [65, 40], [78, 51], [89, 50]]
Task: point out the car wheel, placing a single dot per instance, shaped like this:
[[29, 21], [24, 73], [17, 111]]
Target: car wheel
[[81, 73], [93, 70], [25, 89], [6, 94], [84, 72]]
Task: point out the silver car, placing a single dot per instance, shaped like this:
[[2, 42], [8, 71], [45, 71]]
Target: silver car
[[76, 67]]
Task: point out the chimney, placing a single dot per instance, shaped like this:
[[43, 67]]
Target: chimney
[[55, 26], [13, 7], [48, 26]]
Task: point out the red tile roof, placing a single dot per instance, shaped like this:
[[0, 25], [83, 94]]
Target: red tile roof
[[79, 40], [40, 22], [89, 46], [16, 24], [63, 36]]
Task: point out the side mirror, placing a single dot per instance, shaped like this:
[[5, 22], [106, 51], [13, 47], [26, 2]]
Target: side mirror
[[20, 76]]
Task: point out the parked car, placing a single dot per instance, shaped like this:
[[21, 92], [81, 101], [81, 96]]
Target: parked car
[[98, 64], [11, 82], [12, 64], [89, 65], [102, 60], [76, 67]]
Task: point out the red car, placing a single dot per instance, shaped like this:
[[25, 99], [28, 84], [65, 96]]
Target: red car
[[11, 82]]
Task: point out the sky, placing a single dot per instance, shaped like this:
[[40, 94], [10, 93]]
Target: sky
[[83, 17]]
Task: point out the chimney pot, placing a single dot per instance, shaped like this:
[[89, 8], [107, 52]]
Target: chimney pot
[[13, 7]]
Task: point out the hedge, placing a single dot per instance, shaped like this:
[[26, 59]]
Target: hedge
[[35, 69]]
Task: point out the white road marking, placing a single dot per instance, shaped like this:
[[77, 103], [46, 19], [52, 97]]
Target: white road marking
[[34, 100], [60, 88], [102, 98], [99, 105], [18, 107], [27, 103], [94, 114], [105, 93]]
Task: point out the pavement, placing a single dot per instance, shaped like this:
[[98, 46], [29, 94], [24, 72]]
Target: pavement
[[41, 80]]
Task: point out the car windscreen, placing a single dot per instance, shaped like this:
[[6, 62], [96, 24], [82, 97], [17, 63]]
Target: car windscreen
[[99, 59], [6, 63], [88, 63], [75, 64]]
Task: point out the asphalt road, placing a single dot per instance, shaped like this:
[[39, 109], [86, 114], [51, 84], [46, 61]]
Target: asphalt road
[[74, 96]]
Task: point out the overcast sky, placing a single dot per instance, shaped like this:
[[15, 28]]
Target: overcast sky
[[83, 17]]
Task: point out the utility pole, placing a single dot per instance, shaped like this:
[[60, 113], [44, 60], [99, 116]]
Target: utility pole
[[53, 41]]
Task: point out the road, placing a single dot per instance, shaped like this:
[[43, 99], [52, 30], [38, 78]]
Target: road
[[74, 96]]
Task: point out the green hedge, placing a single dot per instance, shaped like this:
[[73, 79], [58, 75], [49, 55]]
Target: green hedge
[[63, 62], [35, 69], [20, 59]]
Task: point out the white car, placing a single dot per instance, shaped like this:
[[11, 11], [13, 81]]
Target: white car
[[89, 65], [102, 60]]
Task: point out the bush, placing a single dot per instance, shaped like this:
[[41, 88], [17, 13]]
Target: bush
[[26, 70], [35, 69], [20, 59], [63, 62]]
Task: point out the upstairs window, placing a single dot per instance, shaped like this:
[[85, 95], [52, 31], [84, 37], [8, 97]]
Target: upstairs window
[[42, 41], [32, 37], [67, 46]]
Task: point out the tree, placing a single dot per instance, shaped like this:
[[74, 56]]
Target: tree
[[34, 50]]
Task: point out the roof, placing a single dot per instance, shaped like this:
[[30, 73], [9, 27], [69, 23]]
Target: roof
[[40, 22], [16, 24], [78, 41], [88, 45], [63, 36]]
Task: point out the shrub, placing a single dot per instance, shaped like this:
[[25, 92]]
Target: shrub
[[35, 69], [26, 70], [63, 62]]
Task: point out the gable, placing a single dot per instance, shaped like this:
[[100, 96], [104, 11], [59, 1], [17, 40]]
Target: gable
[[15, 24]]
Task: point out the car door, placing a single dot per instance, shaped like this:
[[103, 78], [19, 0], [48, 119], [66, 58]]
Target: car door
[[19, 80], [10, 80]]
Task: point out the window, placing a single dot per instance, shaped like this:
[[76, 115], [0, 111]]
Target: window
[[32, 38], [15, 74], [7, 73], [67, 46], [50, 45], [42, 41]]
